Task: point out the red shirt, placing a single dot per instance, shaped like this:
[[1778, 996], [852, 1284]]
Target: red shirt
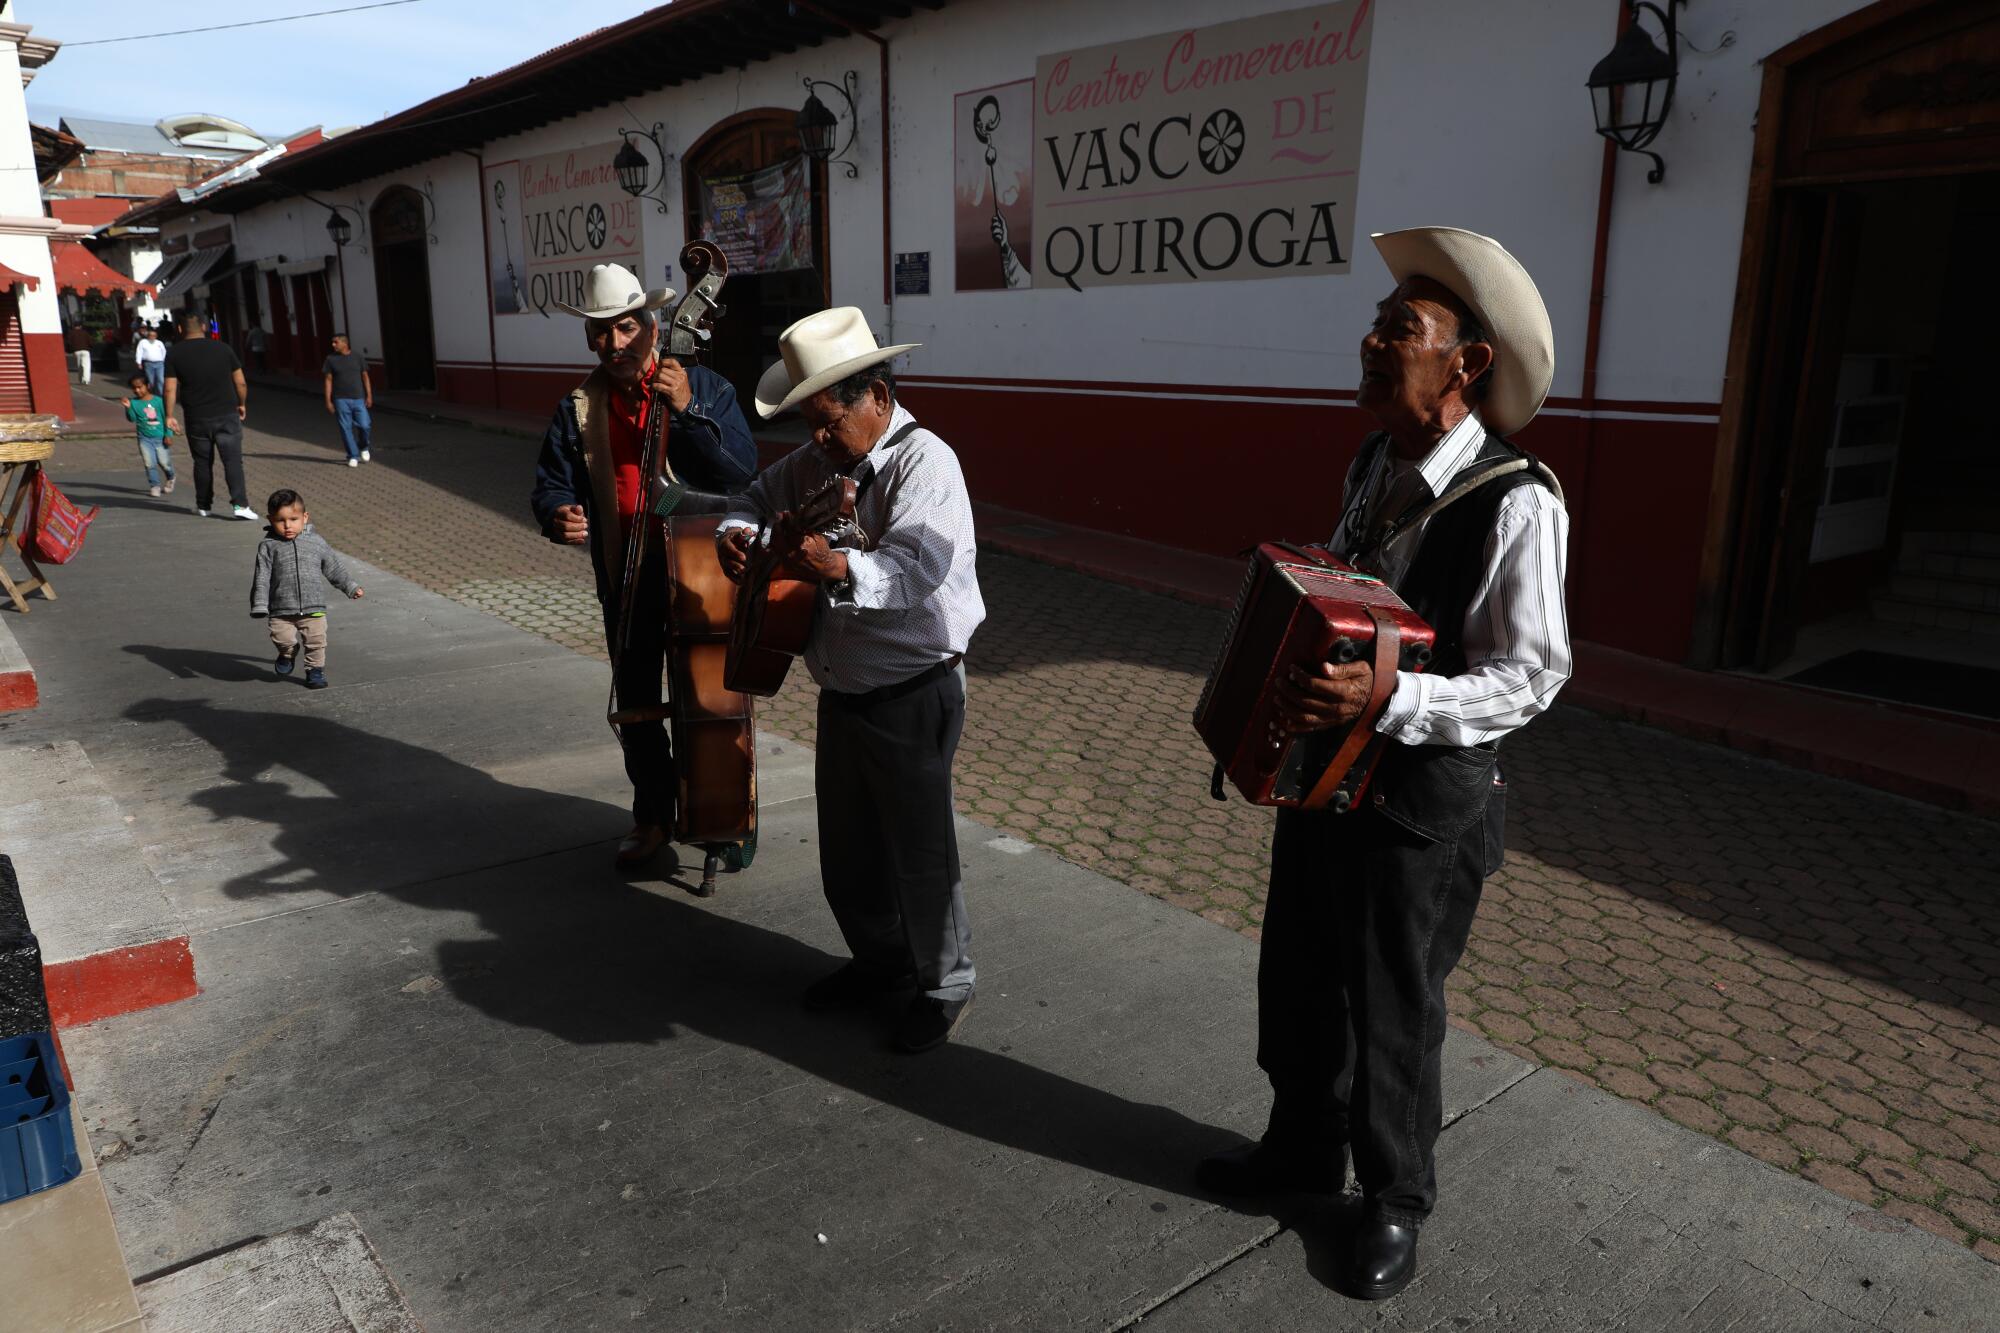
[[628, 434]]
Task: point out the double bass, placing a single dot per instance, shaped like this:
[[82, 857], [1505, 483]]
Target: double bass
[[712, 728]]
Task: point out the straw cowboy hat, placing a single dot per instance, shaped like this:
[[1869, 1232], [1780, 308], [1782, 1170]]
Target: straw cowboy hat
[[610, 290], [817, 351], [1492, 283]]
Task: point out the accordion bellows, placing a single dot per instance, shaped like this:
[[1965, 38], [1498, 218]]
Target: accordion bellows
[[1301, 606]]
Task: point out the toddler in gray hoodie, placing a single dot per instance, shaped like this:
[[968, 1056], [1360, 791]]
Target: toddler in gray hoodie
[[294, 565]]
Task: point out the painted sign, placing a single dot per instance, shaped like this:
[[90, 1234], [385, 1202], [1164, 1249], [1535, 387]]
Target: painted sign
[[549, 219], [993, 188], [1224, 152], [761, 220]]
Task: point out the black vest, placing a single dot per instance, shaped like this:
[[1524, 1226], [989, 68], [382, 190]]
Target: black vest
[[1438, 790]]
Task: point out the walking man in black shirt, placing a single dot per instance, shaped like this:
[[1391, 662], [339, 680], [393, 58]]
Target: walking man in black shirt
[[204, 376], [349, 396]]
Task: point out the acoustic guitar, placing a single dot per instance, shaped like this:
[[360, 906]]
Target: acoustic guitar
[[774, 612]]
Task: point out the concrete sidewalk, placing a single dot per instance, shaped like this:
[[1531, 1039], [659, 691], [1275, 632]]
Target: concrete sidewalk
[[553, 1099]]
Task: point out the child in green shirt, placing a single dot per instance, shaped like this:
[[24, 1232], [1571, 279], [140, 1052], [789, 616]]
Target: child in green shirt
[[149, 414]]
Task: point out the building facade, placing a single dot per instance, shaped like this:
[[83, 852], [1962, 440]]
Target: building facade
[[1132, 239], [34, 373]]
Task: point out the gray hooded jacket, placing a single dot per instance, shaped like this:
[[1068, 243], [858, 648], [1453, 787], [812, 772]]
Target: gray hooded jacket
[[292, 575]]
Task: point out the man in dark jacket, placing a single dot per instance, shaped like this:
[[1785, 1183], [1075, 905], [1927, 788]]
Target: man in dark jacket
[[589, 471], [1368, 911]]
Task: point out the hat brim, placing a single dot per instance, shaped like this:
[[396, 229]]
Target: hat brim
[[652, 300], [1479, 271], [776, 393]]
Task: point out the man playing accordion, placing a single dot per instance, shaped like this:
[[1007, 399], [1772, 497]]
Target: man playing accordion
[[1369, 910]]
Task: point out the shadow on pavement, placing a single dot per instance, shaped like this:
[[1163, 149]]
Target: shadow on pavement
[[1860, 882], [601, 962], [191, 663]]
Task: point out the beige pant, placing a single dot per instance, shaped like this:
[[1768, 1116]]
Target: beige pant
[[288, 632]]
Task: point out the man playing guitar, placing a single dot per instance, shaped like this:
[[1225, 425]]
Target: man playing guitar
[[898, 605]]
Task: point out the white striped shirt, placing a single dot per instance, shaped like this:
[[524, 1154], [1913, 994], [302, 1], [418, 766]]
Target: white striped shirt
[[1516, 636], [911, 599]]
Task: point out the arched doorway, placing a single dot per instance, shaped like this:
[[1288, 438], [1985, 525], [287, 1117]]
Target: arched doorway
[[399, 233], [761, 304], [1856, 490]]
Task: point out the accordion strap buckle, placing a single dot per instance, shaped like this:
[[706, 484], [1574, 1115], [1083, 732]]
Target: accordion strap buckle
[[1388, 653]]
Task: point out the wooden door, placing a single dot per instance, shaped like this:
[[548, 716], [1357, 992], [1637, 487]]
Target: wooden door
[[761, 305], [279, 353], [1812, 276], [401, 239]]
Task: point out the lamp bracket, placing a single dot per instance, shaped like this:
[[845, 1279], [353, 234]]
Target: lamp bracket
[[658, 192], [359, 225], [848, 87]]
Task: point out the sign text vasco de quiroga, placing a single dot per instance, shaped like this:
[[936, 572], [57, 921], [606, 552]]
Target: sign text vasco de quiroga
[[1224, 152], [549, 219]]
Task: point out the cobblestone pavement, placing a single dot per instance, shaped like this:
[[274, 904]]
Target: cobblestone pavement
[[1798, 967]]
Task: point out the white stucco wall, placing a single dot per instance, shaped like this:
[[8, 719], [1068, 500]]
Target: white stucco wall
[[1476, 117], [24, 245]]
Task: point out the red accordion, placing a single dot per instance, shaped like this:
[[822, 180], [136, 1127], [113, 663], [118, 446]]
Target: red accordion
[[1301, 606]]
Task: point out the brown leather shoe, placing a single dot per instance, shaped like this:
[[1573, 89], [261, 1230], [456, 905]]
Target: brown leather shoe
[[640, 845]]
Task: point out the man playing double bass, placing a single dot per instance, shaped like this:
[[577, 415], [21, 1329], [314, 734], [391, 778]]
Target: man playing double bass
[[589, 468], [896, 613]]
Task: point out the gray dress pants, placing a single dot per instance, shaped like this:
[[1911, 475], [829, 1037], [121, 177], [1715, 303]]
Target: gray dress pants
[[888, 848]]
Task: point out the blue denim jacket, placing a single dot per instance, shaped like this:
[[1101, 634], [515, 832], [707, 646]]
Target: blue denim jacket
[[709, 447]]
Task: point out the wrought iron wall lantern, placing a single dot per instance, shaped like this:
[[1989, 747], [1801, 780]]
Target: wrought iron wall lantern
[[634, 172], [338, 229], [819, 126], [1632, 89]]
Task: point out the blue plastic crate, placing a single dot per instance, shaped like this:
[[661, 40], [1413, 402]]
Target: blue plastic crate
[[37, 1137]]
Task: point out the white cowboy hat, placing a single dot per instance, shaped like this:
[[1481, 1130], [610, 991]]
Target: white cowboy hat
[[610, 290], [819, 350], [1492, 283]]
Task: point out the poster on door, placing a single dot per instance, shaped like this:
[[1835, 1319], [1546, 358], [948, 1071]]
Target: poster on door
[[549, 219], [1219, 153], [761, 220], [993, 188]]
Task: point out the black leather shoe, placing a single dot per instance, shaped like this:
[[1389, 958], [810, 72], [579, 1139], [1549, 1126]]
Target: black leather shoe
[[1383, 1260], [851, 987], [929, 1021], [1261, 1168]]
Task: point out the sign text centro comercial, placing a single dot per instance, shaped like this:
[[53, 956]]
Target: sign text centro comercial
[[1224, 152], [549, 219]]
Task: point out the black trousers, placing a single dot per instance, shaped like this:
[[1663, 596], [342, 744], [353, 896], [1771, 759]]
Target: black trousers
[[649, 755], [206, 439], [1364, 921], [888, 846]]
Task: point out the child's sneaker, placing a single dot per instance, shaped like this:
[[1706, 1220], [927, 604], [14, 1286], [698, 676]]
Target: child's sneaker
[[155, 492], [315, 678], [169, 487], [245, 511], [354, 462], [285, 664], [365, 455]]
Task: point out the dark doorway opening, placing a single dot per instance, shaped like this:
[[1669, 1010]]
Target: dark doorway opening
[[400, 233], [761, 305], [1866, 501]]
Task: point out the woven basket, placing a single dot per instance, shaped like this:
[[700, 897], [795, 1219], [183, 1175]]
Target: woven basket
[[36, 435], [25, 451]]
